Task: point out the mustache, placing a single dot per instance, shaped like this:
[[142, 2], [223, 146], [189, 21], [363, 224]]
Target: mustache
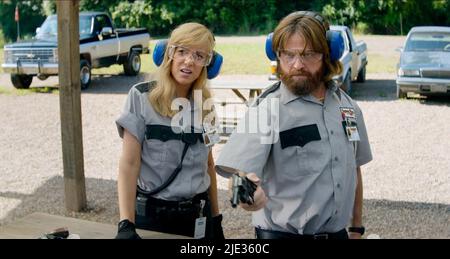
[[300, 73]]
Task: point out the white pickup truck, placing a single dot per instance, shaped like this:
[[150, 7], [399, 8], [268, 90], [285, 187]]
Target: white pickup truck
[[354, 60], [101, 45]]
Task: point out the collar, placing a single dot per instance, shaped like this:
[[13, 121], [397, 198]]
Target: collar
[[287, 96], [335, 90]]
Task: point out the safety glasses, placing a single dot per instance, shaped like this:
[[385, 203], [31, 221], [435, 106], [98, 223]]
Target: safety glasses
[[180, 53], [290, 56]]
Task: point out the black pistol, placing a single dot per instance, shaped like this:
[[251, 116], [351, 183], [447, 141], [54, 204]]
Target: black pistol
[[243, 190]]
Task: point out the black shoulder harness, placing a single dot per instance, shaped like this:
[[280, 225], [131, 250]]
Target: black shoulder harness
[[165, 133]]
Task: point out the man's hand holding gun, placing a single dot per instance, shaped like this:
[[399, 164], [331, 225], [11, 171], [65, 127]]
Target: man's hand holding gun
[[247, 192]]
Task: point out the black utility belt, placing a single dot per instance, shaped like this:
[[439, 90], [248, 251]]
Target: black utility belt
[[165, 203], [271, 234], [151, 207]]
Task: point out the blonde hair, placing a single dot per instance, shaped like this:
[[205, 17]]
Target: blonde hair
[[314, 32], [163, 93]]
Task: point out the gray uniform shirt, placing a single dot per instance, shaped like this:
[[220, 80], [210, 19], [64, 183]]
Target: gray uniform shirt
[[309, 172], [159, 159]]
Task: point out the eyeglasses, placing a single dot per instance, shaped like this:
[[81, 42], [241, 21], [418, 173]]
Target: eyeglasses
[[200, 58], [289, 56]]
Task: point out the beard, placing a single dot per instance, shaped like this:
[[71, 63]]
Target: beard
[[302, 86]]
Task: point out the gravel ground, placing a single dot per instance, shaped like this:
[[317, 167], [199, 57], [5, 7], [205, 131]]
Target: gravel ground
[[406, 186]]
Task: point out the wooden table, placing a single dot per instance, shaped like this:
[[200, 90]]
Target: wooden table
[[255, 87], [37, 224], [254, 91]]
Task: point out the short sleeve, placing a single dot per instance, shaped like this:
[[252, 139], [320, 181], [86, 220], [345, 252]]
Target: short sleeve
[[363, 151], [247, 149], [131, 118]]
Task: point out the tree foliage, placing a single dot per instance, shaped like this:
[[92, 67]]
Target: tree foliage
[[237, 16], [31, 15]]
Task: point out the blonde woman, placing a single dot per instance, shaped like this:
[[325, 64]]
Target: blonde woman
[[167, 181]]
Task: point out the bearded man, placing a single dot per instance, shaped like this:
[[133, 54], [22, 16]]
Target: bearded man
[[309, 177]]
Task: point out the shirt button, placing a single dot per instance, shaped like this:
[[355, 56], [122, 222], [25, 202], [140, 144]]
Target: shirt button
[[338, 185], [336, 158], [332, 132]]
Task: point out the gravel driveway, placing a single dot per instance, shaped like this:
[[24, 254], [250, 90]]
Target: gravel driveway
[[406, 186]]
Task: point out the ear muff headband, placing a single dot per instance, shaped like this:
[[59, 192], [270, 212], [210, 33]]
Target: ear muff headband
[[213, 69], [334, 39]]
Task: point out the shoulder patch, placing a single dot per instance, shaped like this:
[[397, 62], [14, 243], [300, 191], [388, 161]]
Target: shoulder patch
[[268, 91], [145, 86]]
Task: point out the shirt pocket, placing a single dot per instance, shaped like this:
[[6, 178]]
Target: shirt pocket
[[157, 150], [302, 145]]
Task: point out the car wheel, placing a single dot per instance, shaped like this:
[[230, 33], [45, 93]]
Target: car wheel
[[347, 84], [362, 75], [21, 81], [132, 65], [401, 94], [85, 74]]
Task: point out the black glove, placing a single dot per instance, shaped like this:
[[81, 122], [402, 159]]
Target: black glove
[[127, 230], [217, 228]]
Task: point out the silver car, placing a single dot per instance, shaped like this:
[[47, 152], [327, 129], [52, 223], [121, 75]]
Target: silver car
[[424, 66]]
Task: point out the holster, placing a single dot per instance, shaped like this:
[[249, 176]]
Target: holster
[[177, 217], [153, 207]]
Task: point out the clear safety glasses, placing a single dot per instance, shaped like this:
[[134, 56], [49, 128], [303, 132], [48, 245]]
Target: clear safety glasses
[[289, 56], [199, 58]]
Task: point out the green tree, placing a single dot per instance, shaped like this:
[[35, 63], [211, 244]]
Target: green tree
[[136, 14], [99, 5], [49, 7], [236, 16], [2, 39], [30, 13]]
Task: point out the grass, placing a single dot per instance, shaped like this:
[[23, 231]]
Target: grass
[[382, 94], [20, 92], [382, 64], [243, 58], [250, 58], [247, 58], [1, 59]]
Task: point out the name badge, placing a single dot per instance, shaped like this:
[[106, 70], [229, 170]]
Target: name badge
[[349, 124], [200, 228], [200, 223], [352, 133]]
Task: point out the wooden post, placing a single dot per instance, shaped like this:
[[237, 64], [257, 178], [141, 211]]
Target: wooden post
[[70, 104]]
